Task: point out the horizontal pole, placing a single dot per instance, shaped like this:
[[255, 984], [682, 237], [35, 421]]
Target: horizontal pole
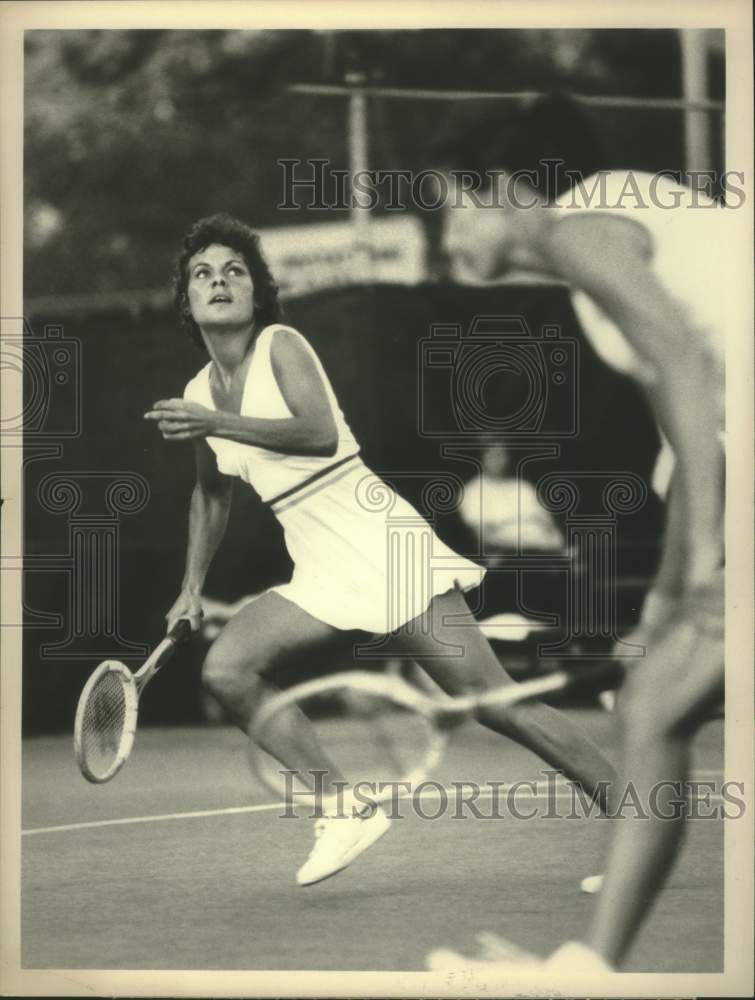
[[137, 300], [590, 100]]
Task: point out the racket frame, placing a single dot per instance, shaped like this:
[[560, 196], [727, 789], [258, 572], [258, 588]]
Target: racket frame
[[441, 712], [131, 698], [394, 689], [161, 653], [134, 684]]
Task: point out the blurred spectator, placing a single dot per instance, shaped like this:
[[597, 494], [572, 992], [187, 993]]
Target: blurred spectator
[[504, 511]]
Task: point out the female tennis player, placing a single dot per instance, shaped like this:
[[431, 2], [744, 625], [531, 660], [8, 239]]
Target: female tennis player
[[263, 409], [646, 260]]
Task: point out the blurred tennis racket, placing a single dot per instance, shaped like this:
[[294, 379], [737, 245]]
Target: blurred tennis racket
[[105, 725], [379, 729]]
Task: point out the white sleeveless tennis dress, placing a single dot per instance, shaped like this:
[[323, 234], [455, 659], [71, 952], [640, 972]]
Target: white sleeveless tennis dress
[[363, 557], [688, 246]]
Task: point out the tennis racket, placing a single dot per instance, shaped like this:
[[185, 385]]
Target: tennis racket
[[379, 731], [105, 725]]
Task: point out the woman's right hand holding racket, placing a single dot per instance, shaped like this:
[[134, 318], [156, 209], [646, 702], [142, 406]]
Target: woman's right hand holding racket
[[187, 605]]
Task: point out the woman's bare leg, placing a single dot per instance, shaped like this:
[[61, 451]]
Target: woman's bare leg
[[548, 733], [663, 703], [239, 671]]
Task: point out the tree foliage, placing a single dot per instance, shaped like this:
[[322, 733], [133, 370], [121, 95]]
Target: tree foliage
[[132, 135]]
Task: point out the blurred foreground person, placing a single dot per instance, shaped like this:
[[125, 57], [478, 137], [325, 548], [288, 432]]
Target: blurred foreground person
[[646, 259]]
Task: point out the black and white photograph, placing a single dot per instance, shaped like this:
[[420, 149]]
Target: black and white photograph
[[376, 503]]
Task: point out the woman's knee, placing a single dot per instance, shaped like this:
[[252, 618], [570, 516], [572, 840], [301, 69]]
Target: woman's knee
[[228, 676]]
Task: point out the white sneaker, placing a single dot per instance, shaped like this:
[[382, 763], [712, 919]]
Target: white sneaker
[[607, 700], [338, 841], [574, 957], [495, 952], [592, 884], [503, 958]]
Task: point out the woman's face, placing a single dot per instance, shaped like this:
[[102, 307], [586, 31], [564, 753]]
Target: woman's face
[[220, 288]]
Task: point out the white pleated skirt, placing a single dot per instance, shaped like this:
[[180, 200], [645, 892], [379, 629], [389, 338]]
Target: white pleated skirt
[[363, 557]]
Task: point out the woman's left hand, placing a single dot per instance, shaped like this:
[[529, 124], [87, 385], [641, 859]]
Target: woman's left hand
[[182, 420]]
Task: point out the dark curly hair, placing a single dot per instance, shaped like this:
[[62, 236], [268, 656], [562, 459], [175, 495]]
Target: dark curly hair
[[226, 231], [550, 127]]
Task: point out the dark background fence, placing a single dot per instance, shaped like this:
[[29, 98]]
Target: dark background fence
[[370, 342]]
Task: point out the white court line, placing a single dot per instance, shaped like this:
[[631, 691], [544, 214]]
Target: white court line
[[541, 788], [231, 810]]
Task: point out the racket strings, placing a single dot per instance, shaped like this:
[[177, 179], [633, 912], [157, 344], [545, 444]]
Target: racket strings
[[104, 722]]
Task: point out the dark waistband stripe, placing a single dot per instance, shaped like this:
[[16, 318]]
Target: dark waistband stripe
[[287, 494]]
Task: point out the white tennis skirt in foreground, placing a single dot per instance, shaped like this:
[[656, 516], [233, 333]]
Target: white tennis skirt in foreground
[[363, 557]]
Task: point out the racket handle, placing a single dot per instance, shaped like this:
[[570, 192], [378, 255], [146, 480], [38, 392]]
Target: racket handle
[[180, 631]]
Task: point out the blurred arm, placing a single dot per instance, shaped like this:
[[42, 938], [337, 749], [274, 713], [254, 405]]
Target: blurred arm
[[608, 259]]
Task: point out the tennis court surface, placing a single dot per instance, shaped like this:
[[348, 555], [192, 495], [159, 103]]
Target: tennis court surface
[[192, 867]]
